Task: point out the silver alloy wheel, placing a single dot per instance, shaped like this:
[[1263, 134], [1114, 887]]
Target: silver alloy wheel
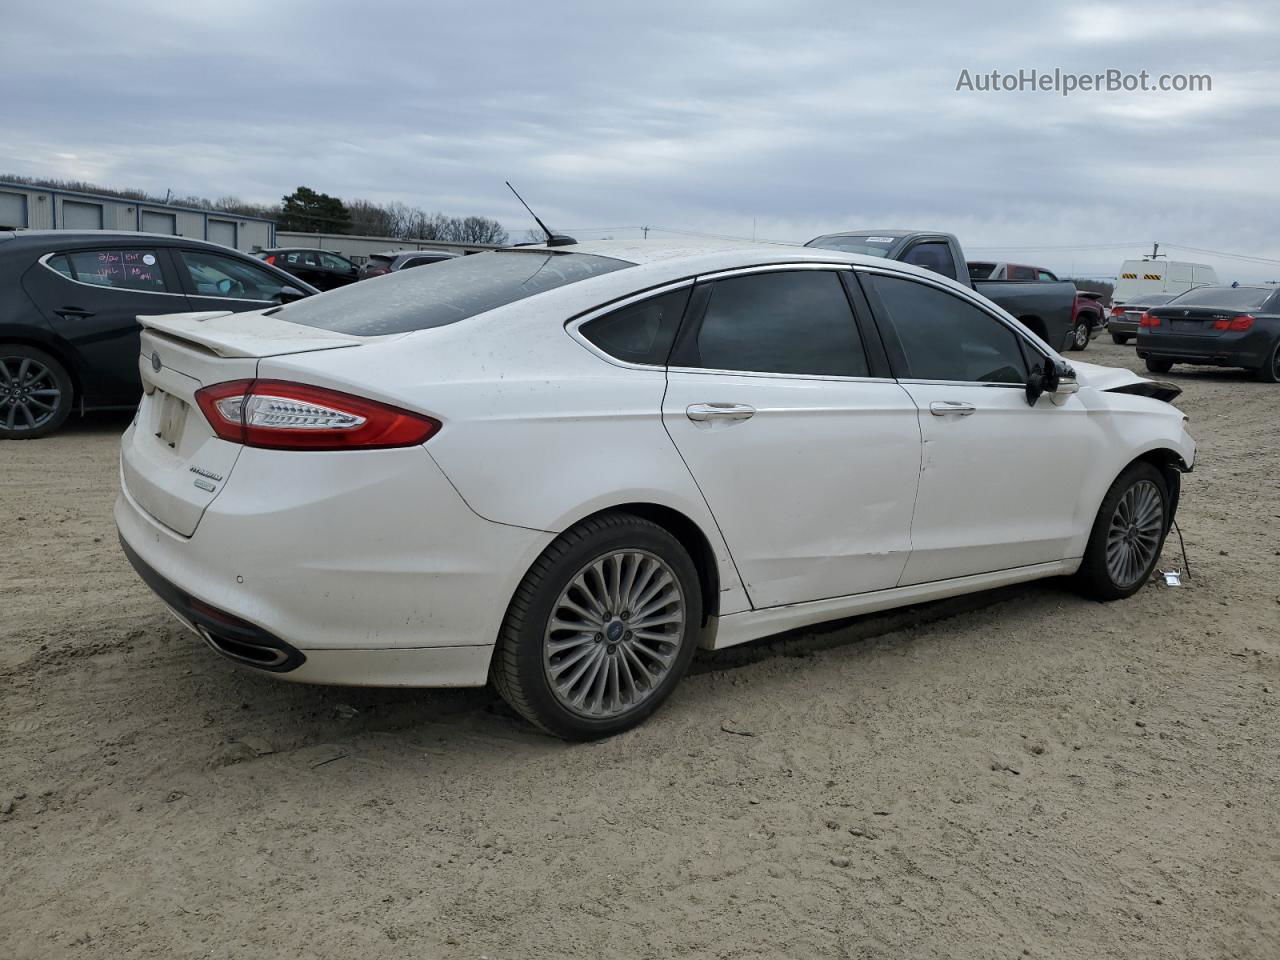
[[29, 393], [1134, 535], [1082, 336], [614, 633]]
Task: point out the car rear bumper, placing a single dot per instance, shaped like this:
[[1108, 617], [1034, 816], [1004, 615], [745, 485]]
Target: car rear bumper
[[1126, 327], [353, 569], [1212, 351]]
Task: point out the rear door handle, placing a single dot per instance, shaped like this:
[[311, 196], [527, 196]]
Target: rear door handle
[[951, 408], [73, 313], [700, 412]]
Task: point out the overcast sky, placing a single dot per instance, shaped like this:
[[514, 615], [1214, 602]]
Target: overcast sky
[[787, 119]]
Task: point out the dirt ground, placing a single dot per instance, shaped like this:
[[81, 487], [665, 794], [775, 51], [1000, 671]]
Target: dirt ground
[[1023, 773]]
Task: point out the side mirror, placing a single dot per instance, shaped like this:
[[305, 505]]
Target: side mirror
[[289, 294], [1054, 378], [224, 285]]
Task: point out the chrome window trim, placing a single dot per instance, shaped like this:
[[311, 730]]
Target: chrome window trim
[[769, 375], [207, 296], [44, 262], [771, 268]]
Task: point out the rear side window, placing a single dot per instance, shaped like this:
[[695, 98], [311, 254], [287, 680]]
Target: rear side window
[[450, 291], [796, 321], [640, 332], [932, 255], [117, 269], [944, 337]]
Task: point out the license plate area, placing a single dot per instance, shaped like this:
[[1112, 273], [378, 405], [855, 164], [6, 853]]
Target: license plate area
[[170, 418], [1191, 326]]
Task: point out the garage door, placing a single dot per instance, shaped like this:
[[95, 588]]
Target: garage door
[[81, 216], [223, 232], [13, 210], [153, 222]]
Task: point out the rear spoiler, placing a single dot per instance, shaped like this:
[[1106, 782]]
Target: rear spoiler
[[254, 334]]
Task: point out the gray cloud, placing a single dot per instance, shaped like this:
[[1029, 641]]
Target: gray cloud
[[802, 118]]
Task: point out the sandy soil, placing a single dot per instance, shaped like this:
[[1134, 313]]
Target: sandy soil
[[1019, 774]]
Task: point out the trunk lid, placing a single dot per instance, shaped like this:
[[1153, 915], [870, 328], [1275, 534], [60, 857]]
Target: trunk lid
[[172, 465], [1197, 321]]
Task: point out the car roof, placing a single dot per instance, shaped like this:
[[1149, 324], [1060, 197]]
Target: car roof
[[670, 259], [47, 239], [874, 233], [299, 250]]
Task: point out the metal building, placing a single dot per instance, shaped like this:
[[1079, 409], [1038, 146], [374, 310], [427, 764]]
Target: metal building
[[26, 207]]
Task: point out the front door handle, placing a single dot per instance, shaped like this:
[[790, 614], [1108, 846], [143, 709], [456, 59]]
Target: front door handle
[[700, 412], [951, 408], [73, 313]]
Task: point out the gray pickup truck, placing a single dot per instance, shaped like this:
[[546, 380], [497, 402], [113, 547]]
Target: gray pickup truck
[[1046, 307]]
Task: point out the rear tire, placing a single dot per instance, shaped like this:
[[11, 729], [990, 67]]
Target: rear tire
[[1119, 338], [1080, 336], [35, 393], [1270, 372], [1159, 366], [1127, 536], [567, 658]]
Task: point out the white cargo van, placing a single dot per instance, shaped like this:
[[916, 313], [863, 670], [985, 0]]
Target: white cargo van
[[1139, 278]]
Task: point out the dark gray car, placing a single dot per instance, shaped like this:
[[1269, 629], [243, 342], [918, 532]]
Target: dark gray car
[[1233, 326], [1122, 323], [393, 260]]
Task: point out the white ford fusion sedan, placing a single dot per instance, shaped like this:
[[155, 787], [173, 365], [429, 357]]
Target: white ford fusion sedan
[[563, 468]]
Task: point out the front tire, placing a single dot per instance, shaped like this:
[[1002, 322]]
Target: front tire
[[1119, 338], [1128, 534], [35, 393], [601, 629], [1159, 366]]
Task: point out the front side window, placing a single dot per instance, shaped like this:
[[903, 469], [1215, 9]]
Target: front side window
[[126, 269], [1020, 273], [933, 255], [944, 337], [217, 275], [796, 321], [1045, 275], [639, 332]]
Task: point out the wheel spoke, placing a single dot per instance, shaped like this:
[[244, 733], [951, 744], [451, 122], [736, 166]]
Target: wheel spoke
[[598, 663]]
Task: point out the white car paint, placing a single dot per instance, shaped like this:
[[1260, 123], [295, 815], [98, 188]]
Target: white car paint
[[839, 496]]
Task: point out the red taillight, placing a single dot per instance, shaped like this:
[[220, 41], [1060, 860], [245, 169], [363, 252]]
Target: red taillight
[[279, 415], [271, 259], [1147, 320], [1241, 321], [1117, 311]]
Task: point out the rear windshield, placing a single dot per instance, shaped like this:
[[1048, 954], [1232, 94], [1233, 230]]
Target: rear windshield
[[869, 245], [1237, 298], [450, 291]]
